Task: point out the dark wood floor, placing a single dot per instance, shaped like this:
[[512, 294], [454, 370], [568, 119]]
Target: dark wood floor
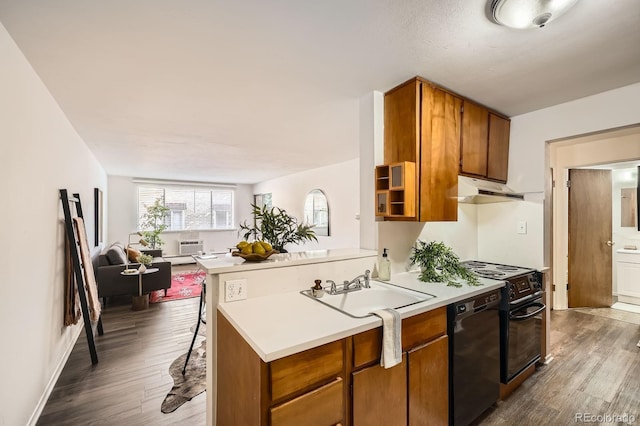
[[596, 370], [131, 379]]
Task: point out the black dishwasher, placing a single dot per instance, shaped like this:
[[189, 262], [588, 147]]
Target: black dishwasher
[[473, 326]]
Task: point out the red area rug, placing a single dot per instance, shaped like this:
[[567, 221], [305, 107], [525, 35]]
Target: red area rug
[[183, 286]]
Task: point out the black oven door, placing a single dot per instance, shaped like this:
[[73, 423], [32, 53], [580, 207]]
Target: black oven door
[[524, 328]]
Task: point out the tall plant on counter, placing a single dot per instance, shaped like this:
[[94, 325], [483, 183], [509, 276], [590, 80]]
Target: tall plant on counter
[[438, 263], [153, 223], [275, 226]]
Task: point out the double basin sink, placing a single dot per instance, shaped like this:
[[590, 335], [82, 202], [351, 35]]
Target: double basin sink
[[362, 302]]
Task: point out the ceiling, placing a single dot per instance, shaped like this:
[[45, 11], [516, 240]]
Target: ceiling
[[247, 90]]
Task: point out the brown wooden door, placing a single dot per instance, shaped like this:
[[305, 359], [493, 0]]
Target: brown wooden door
[[429, 383], [498, 155], [590, 231], [440, 152], [474, 143], [380, 395]]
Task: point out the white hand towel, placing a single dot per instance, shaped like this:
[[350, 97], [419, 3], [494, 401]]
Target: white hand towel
[[391, 337]]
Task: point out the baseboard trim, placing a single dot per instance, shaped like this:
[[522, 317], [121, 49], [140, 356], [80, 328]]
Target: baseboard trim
[[42, 402]]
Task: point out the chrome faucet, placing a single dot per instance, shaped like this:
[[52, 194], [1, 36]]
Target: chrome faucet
[[361, 281], [356, 282]]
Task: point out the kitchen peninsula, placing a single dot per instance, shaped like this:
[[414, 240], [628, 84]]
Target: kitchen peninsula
[[276, 329], [281, 273]]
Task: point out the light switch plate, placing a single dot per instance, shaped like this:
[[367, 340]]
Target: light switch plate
[[522, 227], [235, 290]]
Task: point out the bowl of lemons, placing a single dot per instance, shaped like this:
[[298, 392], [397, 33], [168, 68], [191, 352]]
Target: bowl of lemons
[[256, 251]]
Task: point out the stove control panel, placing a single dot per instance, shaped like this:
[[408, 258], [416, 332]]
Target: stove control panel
[[523, 286]]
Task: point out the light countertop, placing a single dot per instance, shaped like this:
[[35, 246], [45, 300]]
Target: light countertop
[[286, 323], [228, 263]]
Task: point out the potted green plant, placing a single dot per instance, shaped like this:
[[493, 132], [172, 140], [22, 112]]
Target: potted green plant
[[145, 261], [438, 263], [153, 223], [275, 226]]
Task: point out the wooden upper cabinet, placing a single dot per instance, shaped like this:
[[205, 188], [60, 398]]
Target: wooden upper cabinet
[[498, 156], [422, 125], [484, 146], [402, 123], [440, 151], [474, 142]]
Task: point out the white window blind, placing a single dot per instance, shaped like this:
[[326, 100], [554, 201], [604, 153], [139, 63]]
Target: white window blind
[[189, 208]]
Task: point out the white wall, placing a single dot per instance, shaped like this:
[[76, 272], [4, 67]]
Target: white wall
[[41, 153], [498, 239], [530, 132], [371, 153], [123, 215], [399, 237], [341, 185]]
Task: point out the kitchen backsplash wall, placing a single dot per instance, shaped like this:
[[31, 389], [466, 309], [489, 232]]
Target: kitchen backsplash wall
[[399, 237], [501, 241]]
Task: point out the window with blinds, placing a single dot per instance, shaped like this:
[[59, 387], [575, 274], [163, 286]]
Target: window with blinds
[[190, 208]]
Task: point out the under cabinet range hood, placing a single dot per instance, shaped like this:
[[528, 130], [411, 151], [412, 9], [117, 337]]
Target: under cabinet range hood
[[477, 191]]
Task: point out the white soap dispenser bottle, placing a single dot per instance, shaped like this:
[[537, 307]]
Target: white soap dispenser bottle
[[384, 269]]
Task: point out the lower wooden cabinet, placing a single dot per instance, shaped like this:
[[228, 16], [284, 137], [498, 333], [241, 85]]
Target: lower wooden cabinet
[[320, 407], [306, 388], [341, 382], [428, 383], [380, 395], [415, 392]]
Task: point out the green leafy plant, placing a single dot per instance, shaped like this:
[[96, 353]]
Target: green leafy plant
[[153, 223], [275, 226], [438, 263], [145, 259]]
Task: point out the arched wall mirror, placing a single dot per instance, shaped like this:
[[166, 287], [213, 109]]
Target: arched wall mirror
[[316, 212]]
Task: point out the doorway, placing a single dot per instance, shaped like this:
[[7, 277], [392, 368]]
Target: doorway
[[592, 151], [590, 235]]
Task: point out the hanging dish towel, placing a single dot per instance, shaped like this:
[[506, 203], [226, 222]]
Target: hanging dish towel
[[391, 337]]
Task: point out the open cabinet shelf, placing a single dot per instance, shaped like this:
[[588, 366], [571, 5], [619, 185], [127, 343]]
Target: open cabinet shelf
[[396, 190]]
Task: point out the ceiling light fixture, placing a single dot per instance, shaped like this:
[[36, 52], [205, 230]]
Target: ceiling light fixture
[[525, 14]]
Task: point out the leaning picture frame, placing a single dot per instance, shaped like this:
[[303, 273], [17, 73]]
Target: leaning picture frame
[[98, 207]]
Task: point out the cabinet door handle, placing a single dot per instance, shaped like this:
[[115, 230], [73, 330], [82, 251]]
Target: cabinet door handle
[[610, 243]]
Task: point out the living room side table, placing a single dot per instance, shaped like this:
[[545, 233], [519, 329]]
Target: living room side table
[[141, 301]]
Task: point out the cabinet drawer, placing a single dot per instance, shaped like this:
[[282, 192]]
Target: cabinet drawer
[[422, 328], [629, 257], [302, 370], [416, 330], [321, 407]]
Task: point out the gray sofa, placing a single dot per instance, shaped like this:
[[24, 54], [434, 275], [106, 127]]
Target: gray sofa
[[111, 262]]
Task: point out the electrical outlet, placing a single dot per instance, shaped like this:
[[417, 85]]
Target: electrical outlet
[[522, 227], [235, 290]]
